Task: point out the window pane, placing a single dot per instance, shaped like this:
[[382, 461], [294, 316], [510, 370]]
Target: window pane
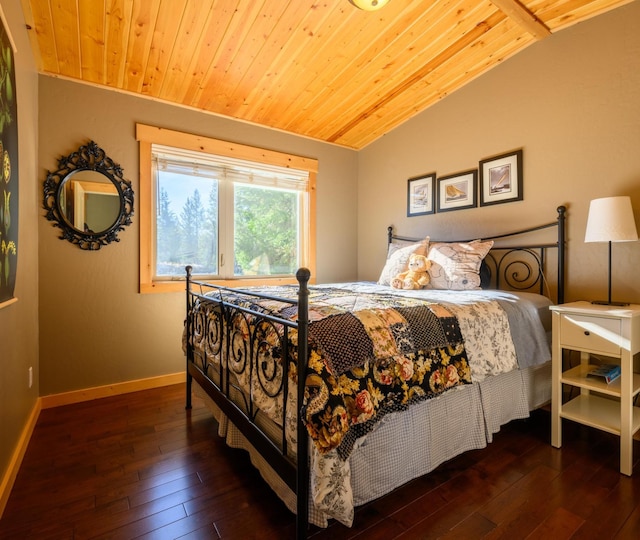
[[186, 224], [266, 236]]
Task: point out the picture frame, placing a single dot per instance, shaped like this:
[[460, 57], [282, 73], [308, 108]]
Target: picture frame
[[421, 191], [9, 171], [501, 178], [458, 191]]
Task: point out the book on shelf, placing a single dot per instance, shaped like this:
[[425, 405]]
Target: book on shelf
[[606, 372]]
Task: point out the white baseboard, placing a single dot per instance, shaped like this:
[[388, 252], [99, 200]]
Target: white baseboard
[[16, 459], [97, 392]]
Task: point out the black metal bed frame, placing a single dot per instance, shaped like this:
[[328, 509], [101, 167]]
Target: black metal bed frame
[[518, 267], [238, 333], [221, 322]]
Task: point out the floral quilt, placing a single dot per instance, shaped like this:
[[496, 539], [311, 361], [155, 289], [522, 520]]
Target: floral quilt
[[372, 351], [369, 355]]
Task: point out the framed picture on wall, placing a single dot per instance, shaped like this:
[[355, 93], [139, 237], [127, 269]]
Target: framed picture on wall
[[9, 219], [501, 178], [458, 191], [421, 192]]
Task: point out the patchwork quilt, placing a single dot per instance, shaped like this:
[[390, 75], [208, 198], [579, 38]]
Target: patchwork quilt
[[369, 355]]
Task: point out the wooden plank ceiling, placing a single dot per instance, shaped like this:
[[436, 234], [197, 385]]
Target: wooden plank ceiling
[[318, 68]]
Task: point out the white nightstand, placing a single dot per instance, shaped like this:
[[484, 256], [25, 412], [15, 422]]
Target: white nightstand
[[606, 331]]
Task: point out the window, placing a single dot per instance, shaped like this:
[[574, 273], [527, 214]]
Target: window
[[238, 215]]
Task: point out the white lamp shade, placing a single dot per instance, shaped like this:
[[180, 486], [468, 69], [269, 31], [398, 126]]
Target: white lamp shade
[[611, 220]]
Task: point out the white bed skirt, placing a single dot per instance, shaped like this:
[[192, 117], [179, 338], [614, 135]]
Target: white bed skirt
[[435, 430]]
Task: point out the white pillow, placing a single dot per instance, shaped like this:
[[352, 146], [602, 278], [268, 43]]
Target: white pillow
[[456, 265], [398, 259]]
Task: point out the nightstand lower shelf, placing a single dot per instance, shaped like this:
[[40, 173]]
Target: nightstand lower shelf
[[596, 330], [598, 412]]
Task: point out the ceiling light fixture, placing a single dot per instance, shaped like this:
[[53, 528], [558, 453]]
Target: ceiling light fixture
[[369, 5]]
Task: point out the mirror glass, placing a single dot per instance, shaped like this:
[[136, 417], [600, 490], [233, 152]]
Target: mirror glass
[[89, 201], [88, 198]]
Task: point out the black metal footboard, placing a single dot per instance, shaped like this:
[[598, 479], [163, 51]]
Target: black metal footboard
[[228, 357]]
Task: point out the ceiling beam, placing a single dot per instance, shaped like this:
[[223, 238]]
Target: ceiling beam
[[522, 16], [460, 45]]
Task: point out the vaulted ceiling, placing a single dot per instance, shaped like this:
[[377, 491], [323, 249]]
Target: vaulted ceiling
[[318, 68]]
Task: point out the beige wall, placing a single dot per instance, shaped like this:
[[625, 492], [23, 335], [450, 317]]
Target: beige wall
[[19, 321], [95, 329], [572, 102]]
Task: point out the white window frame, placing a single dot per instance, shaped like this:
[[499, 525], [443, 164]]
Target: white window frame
[[148, 136]]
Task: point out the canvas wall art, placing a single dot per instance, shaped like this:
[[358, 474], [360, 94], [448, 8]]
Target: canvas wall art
[[8, 168]]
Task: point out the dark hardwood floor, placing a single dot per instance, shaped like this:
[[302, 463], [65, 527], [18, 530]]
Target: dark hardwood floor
[[140, 466]]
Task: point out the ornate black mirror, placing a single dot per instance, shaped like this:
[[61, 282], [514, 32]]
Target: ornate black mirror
[[88, 198]]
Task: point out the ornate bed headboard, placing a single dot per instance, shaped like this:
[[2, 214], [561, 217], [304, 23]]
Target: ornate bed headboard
[[514, 264]]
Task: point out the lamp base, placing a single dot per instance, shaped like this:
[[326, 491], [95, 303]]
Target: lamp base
[[608, 303]]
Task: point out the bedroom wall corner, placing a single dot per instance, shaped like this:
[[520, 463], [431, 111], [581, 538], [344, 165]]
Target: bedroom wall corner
[[19, 320], [572, 102]]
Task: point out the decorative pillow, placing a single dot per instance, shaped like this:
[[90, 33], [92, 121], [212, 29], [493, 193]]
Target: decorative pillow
[[398, 258], [456, 265]]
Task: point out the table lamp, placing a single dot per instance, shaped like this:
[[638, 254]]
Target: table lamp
[[611, 220]]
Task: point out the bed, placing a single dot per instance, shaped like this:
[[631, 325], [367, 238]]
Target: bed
[[395, 381]]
